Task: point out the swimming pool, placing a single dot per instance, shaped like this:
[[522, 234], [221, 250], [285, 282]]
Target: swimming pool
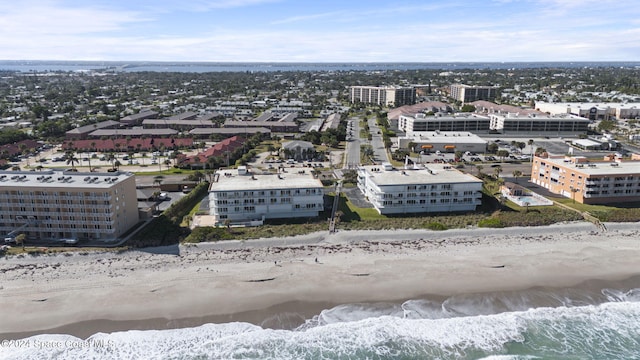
[[532, 200]]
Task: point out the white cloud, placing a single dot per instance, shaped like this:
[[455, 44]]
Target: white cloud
[[206, 5], [33, 18], [40, 29]]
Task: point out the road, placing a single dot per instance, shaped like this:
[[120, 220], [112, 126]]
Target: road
[[352, 152], [379, 152]]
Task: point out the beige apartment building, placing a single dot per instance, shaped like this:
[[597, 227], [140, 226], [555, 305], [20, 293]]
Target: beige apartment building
[[52, 205], [383, 95], [468, 93], [588, 181]]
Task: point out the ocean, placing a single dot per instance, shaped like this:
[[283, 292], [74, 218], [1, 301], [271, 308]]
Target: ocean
[[203, 67], [576, 323]]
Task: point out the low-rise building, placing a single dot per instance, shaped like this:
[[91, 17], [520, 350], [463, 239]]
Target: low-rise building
[[445, 141], [273, 126], [240, 195], [589, 181], [52, 205], [425, 189], [298, 150], [593, 111], [136, 119], [83, 132]]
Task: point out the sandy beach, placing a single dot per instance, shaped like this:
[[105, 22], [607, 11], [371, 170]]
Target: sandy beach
[[83, 293]]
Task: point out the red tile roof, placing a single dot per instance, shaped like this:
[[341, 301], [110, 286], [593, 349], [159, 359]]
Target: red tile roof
[[219, 149], [125, 145]]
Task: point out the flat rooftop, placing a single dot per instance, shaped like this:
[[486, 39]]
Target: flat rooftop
[[598, 166], [423, 174], [293, 178], [53, 179], [453, 137]]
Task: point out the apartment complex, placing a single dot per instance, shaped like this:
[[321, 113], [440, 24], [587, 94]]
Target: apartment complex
[[468, 93], [383, 95], [52, 205], [513, 123], [432, 188], [239, 195], [458, 122], [589, 181]]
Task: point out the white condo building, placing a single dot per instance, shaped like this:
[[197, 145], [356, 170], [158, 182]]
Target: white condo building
[[458, 122], [539, 124], [239, 195], [52, 205], [432, 188]]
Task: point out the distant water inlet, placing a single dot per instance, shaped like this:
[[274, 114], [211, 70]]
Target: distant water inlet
[[523, 196]]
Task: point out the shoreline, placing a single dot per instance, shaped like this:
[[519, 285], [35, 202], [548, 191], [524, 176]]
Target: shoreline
[[249, 281]]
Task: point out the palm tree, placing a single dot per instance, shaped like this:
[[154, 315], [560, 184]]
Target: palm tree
[[496, 171], [112, 158], [479, 167], [530, 142], [516, 173], [71, 159]]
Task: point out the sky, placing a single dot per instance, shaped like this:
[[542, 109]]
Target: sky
[[320, 30]]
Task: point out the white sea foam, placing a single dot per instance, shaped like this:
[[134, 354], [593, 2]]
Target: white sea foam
[[606, 331], [613, 295]]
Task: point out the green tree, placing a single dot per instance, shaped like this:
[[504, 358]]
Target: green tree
[[412, 146], [516, 174], [606, 125], [502, 154], [468, 108]]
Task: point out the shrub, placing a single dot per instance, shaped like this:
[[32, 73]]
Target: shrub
[[434, 225], [207, 234], [491, 223]]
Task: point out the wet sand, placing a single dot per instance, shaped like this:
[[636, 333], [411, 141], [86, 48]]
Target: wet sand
[[280, 282]]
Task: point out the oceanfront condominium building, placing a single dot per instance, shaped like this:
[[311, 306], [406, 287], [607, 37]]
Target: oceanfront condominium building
[[588, 181], [240, 196], [52, 205], [431, 188], [468, 93], [383, 95]]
